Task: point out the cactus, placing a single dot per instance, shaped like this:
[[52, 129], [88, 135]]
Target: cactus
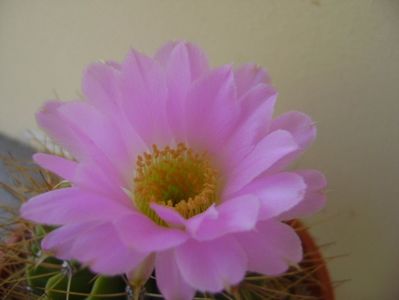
[[46, 277], [28, 273]]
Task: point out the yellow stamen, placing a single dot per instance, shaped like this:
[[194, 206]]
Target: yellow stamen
[[175, 177]]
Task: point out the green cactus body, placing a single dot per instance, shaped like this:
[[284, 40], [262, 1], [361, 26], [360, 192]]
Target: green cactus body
[[54, 281]]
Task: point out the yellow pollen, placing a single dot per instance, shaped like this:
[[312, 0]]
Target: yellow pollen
[[175, 177]]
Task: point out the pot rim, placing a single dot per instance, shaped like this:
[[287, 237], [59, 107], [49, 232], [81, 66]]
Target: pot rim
[[313, 251]]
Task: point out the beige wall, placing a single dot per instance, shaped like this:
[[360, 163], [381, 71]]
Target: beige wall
[[336, 60]]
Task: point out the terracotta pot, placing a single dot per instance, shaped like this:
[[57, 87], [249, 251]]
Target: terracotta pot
[[314, 259]]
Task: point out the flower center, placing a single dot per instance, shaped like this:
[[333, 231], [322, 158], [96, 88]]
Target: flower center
[[175, 177]]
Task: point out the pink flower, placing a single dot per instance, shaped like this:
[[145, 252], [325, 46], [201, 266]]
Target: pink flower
[[179, 167]]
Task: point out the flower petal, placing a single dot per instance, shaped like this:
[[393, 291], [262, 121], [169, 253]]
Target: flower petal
[[168, 214], [314, 198], [269, 150], [85, 242], [299, 125], [212, 265], [61, 239], [258, 105], [183, 57], [101, 89], [271, 248], [100, 86], [49, 119], [110, 256], [234, 215], [255, 120], [211, 110], [195, 222], [92, 178], [141, 233], [95, 139], [62, 167], [99, 131], [303, 131], [71, 205], [249, 75], [277, 193], [144, 93], [169, 279], [184, 63]]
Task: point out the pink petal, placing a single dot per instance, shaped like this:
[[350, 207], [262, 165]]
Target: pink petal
[[101, 89], [269, 150], [303, 131], [314, 199], [100, 86], [85, 242], [299, 125], [185, 57], [93, 178], [212, 110], [61, 239], [110, 256], [258, 104], [143, 91], [183, 63], [87, 134], [195, 222], [168, 214], [212, 265], [71, 205], [62, 167], [315, 180], [235, 215], [49, 119], [162, 54], [141, 233], [249, 75], [255, 120], [100, 132], [271, 248], [169, 278], [277, 193]]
